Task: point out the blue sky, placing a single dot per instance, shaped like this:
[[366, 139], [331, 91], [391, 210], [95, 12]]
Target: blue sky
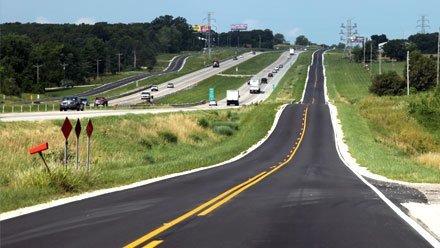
[[318, 20]]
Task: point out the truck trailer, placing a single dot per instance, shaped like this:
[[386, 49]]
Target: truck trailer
[[232, 97]]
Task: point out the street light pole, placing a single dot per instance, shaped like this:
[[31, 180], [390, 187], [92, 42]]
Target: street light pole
[[119, 61], [64, 69], [97, 68]]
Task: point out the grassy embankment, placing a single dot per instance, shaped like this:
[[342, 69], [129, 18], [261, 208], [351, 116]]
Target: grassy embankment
[[221, 83], [391, 136], [127, 149]]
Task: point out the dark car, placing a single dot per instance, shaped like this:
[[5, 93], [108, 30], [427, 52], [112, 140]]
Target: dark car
[[264, 80], [154, 88], [270, 74], [235, 58], [101, 101], [84, 101], [280, 66], [215, 64], [71, 102]]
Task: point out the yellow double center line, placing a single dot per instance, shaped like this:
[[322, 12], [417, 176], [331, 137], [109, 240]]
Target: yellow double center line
[[219, 200]]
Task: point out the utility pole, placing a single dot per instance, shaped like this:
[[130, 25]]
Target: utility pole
[[423, 24], [64, 69], [97, 68], [364, 50], [119, 61], [259, 41], [407, 73], [38, 72], [380, 61], [438, 55], [134, 58], [371, 55]]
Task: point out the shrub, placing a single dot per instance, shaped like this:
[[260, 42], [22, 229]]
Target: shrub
[[223, 130], [168, 136], [231, 125], [389, 83], [203, 122]]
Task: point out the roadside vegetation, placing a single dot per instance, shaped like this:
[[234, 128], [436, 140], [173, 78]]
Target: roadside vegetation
[[254, 65], [129, 148], [394, 136]]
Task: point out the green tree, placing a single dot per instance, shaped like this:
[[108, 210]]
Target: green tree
[[395, 49], [302, 41], [422, 72], [426, 43], [278, 39]]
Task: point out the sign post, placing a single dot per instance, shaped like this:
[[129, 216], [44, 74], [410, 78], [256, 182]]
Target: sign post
[[77, 132], [89, 130], [66, 129], [211, 94]]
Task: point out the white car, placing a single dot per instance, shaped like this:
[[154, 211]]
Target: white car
[[213, 103], [154, 88], [170, 85]]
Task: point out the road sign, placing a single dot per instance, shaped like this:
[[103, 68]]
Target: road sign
[[78, 128], [77, 132], [211, 94], [66, 128], [89, 128]]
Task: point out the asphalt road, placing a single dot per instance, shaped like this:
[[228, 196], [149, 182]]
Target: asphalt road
[[175, 65], [180, 84], [292, 191]]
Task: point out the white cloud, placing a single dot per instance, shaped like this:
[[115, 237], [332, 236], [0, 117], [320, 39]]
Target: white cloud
[[42, 20], [294, 32], [85, 20]]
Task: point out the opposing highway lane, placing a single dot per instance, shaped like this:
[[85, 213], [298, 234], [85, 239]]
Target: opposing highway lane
[[292, 191]]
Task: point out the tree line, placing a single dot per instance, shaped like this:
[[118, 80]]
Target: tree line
[[70, 54]]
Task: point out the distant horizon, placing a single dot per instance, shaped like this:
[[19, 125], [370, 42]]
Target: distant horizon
[[320, 25]]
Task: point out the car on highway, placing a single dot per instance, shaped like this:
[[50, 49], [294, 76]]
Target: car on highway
[[170, 85], [235, 58], [270, 74], [240, 56], [216, 64], [280, 66], [264, 80], [84, 101], [101, 101], [274, 71], [71, 102], [213, 103], [154, 88]]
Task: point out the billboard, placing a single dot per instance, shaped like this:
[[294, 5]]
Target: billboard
[[236, 27], [196, 28], [205, 28]]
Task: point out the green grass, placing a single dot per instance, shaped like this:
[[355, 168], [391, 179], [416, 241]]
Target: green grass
[[125, 149], [379, 131], [388, 66], [254, 65], [201, 91], [291, 86]]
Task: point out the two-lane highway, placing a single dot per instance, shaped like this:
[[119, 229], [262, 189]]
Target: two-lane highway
[[292, 191]]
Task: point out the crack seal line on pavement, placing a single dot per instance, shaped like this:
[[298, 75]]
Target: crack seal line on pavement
[[221, 199]]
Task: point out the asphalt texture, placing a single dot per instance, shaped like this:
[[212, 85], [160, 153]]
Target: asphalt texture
[[306, 198]]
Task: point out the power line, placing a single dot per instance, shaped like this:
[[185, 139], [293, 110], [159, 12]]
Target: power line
[[423, 24], [209, 19]]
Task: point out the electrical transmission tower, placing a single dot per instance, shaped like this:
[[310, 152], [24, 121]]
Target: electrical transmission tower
[[208, 31], [423, 24], [348, 34]]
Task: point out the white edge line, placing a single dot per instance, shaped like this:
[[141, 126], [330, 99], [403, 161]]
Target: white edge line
[[338, 143], [59, 202], [307, 78], [169, 64]]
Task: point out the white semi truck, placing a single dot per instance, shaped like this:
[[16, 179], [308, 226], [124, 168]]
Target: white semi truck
[[254, 85], [232, 97]]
